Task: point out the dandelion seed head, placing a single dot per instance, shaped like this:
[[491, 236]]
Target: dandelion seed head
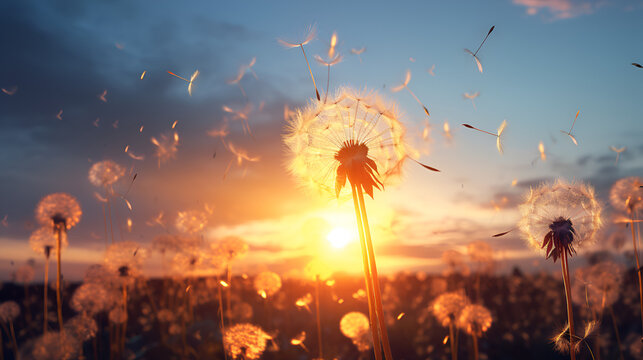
[[627, 195], [117, 315], [447, 307], [354, 325], [245, 340], [316, 269], [24, 274], [105, 173], [125, 259], [242, 311], [82, 327], [230, 248], [475, 319], [308, 37], [58, 209], [43, 241], [599, 284], [55, 346], [354, 136], [561, 341], [191, 221], [91, 299], [267, 283], [560, 216], [9, 311]]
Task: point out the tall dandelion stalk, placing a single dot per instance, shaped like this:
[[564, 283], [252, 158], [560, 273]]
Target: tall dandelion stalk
[[59, 212], [559, 218], [104, 174], [354, 137], [627, 195]]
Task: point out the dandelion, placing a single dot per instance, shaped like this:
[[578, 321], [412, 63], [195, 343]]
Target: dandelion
[[475, 320], [627, 195], [9, 312], [498, 135], [245, 341], [565, 216], [474, 54], [82, 327], [447, 309], [60, 212], [166, 147], [562, 341], [310, 35], [191, 221], [56, 346], [229, 249], [267, 283], [354, 137], [471, 97], [355, 326], [104, 174], [91, 299], [405, 85]]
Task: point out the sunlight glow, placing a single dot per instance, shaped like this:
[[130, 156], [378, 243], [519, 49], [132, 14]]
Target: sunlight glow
[[339, 237]]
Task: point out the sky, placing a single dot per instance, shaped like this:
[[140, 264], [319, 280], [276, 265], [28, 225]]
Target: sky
[[545, 61]]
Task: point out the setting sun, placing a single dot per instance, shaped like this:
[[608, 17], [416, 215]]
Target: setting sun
[[339, 237]]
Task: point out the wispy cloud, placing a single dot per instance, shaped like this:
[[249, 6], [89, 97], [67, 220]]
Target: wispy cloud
[[560, 9]]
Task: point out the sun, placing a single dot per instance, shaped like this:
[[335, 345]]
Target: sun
[[339, 237]]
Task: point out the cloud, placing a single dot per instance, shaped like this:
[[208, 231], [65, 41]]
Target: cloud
[[560, 9]]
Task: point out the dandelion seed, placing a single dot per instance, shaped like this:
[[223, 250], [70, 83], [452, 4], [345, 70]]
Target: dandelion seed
[[242, 115], [59, 116], [310, 35], [191, 221], [541, 150], [618, 152], [11, 91], [143, 74], [400, 316], [115, 124], [447, 130], [569, 133], [431, 70], [498, 135], [638, 65], [220, 132], [474, 54], [166, 147], [514, 182], [5, 221], [471, 97], [358, 52], [404, 85], [299, 340], [103, 96], [192, 78], [96, 122], [242, 71]]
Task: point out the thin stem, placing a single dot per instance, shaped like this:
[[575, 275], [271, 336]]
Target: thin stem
[[124, 335], [476, 355], [229, 276], [1, 346], [638, 266], [319, 333], [105, 223], [327, 84], [46, 288], [618, 336], [454, 352], [311, 72], [225, 354], [59, 299], [376, 283], [13, 340], [367, 278], [111, 227], [568, 296]]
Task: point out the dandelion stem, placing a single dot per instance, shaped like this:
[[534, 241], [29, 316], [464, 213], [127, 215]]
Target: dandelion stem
[[367, 278], [327, 84], [376, 284], [46, 288], [111, 227], [105, 222], [13, 340], [568, 296], [319, 333], [59, 300], [618, 336], [454, 353], [475, 348], [638, 266], [311, 72], [229, 276], [225, 354], [124, 335]]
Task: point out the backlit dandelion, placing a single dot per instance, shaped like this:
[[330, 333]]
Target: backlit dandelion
[[559, 218], [447, 309], [267, 283], [60, 212], [91, 299], [475, 320], [191, 221], [627, 195], [245, 341], [355, 326], [9, 312], [105, 173], [56, 346], [354, 137], [82, 327]]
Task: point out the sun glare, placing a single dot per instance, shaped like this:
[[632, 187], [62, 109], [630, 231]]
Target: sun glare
[[339, 237]]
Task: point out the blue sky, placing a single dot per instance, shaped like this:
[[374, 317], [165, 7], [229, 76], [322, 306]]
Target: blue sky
[[541, 66]]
